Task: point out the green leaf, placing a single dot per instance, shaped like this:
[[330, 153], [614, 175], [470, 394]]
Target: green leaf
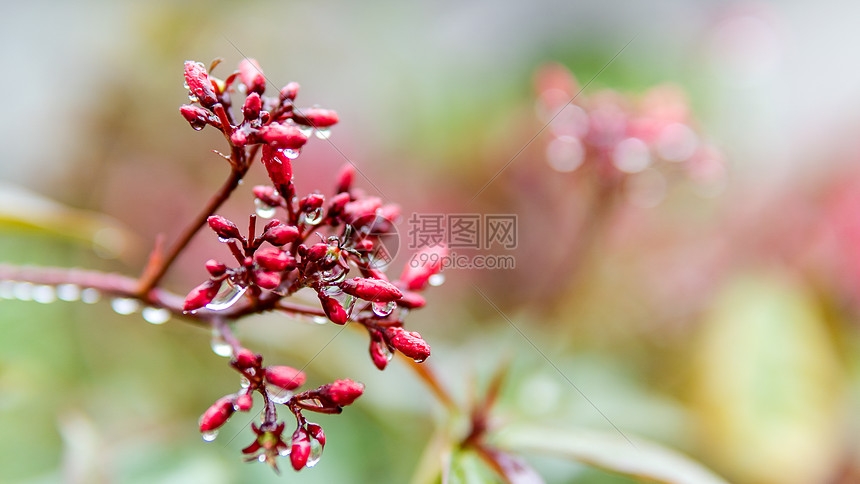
[[609, 451], [30, 212]]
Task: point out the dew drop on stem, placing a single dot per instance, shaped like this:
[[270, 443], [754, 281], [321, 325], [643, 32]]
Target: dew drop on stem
[[44, 294], [155, 315], [263, 209], [323, 133], [90, 296], [219, 345], [68, 292], [383, 309], [124, 306], [278, 394], [227, 296], [316, 453]]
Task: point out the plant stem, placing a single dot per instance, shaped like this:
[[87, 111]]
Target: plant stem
[[106, 283], [153, 274], [426, 374]]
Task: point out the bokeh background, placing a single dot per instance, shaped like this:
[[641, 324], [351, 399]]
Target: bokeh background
[[720, 322]]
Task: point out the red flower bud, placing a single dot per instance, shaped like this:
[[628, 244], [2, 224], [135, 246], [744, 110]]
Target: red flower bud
[[375, 290], [268, 195], [272, 259], [345, 178], [239, 137], [317, 251], [244, 402], [281, 234], [216, 415], [285, 377], [316, 117], [290, 91], [223, 227], [199, 83], [411, 300], [390, 212], [335, 312], [279, 167], [246, 358], [409, 343], [300, 449], [362, 209], [252, 76], [201, 295], [215, 268], [342, 392], [267, 279], [378, 353], [337, 203], [252, 107], [423, 265], [283, 136], [316, 433], [311, 202], [195, 115]]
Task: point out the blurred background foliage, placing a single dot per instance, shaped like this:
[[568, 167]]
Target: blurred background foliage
[[724, 326]]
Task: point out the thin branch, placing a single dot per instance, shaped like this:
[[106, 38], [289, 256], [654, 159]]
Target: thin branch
[[108, 284], [152, 275]]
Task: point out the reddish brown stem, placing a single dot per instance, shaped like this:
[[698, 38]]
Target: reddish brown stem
[[115, 285], [153, 275], [425, 372]]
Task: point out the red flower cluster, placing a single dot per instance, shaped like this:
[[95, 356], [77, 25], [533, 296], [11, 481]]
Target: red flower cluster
[[276, 385], [653, 138], [316, 243]]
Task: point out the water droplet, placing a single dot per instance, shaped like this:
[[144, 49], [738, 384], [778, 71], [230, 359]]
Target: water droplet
[[197, 127], [90, 295], [44, 294], [278, 394], [565, 154], [263, 209], [389, 355], [124, 306], [334, 276], [631, 155], [155, 315], [68, 292], [319, 319], [192, 98], [383, 309], [7, 289], [227, 296], [316, 453], [436, 280], [285, 451], [23, 291], [210, 435], [323, 133], [314, 217], [677, 142], [244, 382], [223, 240], [261, 458], [292, 154], [306, 130], [219, 346]]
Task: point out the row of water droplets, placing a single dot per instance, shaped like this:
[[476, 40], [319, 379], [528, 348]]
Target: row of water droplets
[[45, 294]]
